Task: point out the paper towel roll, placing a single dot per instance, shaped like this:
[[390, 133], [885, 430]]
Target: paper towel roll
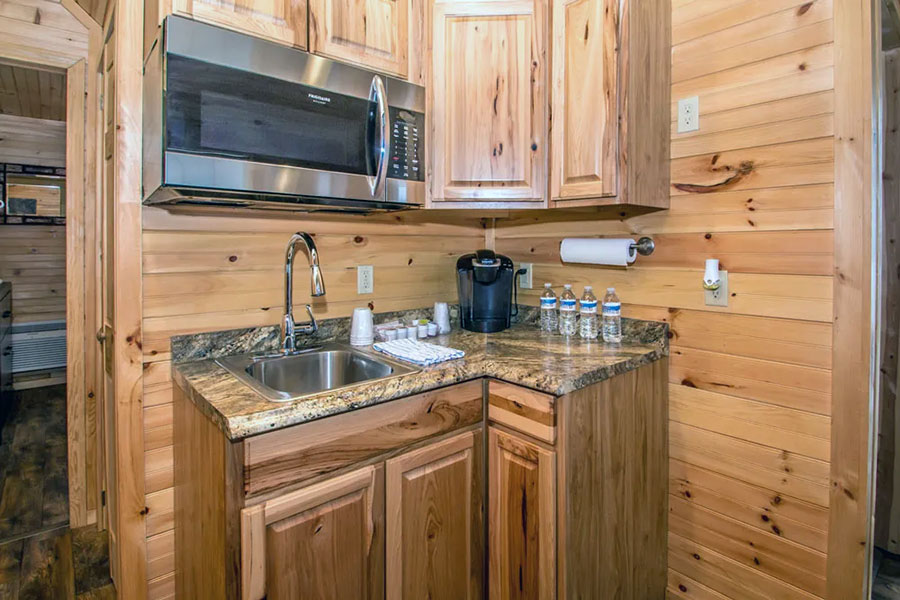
[[598, 251]]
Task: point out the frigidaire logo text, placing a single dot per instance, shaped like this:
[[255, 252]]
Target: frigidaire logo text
[[317, 98]]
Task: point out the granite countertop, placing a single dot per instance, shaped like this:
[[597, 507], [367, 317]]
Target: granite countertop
[[520, 355]]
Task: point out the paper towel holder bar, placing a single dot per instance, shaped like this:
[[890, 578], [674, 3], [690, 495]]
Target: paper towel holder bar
[[644, 246]]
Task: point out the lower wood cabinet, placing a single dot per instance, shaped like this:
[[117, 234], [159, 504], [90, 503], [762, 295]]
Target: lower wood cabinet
[[435, 529], [388, 502], [328, 540], [324, 541], [522, 518]]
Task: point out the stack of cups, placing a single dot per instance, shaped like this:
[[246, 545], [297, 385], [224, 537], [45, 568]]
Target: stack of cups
[[362, 327], [442, 317]]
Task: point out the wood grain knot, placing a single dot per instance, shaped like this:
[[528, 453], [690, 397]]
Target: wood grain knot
[[744, 169]]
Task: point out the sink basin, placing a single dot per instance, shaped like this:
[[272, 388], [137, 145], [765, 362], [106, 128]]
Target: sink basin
[[331, 367]]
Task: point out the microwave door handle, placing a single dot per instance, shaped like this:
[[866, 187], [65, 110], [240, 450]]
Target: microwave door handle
[[384, 119]]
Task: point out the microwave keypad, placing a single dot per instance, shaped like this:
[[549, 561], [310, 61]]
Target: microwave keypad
[[407, 143]]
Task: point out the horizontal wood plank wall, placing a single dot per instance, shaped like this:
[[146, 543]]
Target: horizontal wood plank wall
[[750, 385], [33, 259], [209, 273], [29, 141]]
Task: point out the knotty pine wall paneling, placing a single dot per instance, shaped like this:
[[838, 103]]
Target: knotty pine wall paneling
[[210, 273], [33, 259], [30, 141], [750, 384]]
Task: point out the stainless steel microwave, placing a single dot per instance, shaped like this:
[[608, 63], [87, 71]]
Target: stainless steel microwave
[[233, 120]]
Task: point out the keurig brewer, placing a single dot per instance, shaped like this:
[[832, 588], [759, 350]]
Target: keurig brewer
[[485, 282]]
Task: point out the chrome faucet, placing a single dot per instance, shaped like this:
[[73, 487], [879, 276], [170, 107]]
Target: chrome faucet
[[289, 330]]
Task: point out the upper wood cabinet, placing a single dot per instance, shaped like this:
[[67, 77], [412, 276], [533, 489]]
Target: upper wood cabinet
[[434, 521], [610, 103], [282, 21], [487, 104], [370, 33], [591, 78], [583, 99]]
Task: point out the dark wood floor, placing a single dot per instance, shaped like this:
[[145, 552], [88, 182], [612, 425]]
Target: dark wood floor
[[40, 557], [34, 494], [57, 564], [887, 576]]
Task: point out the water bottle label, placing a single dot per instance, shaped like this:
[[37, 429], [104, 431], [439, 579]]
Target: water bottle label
[[548, 302], [589, 308], [567, 305], [612, 309]]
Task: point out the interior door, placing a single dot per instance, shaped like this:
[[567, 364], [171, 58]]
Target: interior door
[[107, 287]]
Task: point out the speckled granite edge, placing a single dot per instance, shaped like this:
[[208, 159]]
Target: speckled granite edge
[[216, 344], [520, 355]]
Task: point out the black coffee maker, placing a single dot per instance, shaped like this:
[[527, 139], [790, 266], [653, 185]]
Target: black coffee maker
[[485, 281]]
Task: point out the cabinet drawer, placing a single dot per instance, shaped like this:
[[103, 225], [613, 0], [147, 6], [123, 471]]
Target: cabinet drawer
[[523, 409], [305, 451]]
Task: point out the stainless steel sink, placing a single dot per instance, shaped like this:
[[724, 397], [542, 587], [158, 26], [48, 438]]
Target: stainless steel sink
[[282, 378]]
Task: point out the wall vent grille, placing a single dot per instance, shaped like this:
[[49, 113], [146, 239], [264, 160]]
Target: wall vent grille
[[39, 347]]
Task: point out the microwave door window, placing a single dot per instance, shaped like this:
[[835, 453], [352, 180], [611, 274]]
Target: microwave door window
[[216, 111]]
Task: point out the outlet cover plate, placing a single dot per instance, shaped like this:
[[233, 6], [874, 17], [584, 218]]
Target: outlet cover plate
[[718, 297], [365, 279], [525, 280], [688, 114]]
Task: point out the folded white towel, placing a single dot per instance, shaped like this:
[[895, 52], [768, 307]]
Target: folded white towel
[[420, 353]]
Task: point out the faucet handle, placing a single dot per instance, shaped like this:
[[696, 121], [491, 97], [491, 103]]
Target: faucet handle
[[312, 319]]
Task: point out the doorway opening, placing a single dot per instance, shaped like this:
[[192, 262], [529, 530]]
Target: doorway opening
[[33, 479], [53, 541], [38, 549]]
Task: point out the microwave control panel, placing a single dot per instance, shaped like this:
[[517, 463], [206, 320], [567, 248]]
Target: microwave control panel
[[407, 145]]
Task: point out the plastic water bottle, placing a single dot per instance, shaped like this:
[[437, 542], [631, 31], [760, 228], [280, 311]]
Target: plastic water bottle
[[567, 317], [549, 314], [612, 317], [587, 324]]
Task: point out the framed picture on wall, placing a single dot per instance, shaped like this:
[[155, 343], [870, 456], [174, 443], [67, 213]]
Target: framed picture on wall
[[32, 193], [34, 200]]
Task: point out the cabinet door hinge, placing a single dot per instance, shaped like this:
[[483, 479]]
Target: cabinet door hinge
[[103, 498]]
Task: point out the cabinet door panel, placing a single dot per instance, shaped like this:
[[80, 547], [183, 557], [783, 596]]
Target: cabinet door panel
[[325, 541], [434, 521], [488, 102], [583, 99], [522, 524], [371, 33], [282, 21]]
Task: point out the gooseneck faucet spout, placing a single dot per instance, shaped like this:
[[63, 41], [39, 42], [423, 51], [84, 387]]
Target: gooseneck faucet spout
[[289, 329]]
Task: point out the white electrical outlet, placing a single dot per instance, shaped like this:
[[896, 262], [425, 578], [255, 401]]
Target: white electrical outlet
[[688, 114], [525, 280], [365, 279], [718, 297]]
